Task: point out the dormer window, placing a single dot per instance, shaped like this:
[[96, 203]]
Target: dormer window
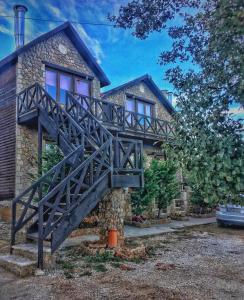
[[138, 109], [59, 82], [139, 106]]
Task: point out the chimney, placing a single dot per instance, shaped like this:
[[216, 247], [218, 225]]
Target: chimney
[[19, 24]]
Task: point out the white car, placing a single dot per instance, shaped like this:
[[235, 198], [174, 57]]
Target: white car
[[230, 214]]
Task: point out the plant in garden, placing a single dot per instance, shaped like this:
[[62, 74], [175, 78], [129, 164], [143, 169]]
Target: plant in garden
[[51, 156], [142, 198], [167, 185], [160, 185], [209, 37]]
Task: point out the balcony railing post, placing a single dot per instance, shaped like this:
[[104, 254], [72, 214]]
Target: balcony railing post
[[13, 227], [40, 237]]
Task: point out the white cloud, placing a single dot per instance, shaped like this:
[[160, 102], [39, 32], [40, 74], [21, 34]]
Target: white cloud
[[55, 11], [73, 14], [91, 43], [6, 30]]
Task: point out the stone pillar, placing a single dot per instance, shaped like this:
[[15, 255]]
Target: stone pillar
[[26, 158], [112, 214], [26, 137]]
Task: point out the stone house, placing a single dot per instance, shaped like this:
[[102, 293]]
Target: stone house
[[148, 114], [50, 91]]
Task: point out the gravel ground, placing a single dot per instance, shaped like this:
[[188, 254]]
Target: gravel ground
[[203, 262]]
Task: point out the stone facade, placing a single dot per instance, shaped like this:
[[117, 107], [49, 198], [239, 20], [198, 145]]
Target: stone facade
[[30, 69], [140, 90], [112, 213]]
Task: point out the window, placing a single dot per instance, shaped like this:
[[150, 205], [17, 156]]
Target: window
[[82, 87], [143, 108], [130, 106], [51, 83], [58, 83], [65, 84]]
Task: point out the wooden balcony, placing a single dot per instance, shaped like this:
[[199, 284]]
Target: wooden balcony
[[115, 117]]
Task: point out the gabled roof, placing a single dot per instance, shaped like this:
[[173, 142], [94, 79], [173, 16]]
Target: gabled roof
[[151, 85], [78, 43]]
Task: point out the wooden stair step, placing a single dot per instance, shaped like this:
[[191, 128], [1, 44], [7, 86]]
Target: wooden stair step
[[18, 265]]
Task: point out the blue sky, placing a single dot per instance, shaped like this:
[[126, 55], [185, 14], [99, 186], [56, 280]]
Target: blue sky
[[122, 56]]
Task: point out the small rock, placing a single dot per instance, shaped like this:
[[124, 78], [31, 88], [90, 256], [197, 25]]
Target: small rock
[[176, 226], [39, 272], [127, 267], [164, 267]]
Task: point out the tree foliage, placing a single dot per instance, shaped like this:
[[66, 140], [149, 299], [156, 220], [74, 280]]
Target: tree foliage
[[161, 185], [50, 157], [142, 198], [167, 185]]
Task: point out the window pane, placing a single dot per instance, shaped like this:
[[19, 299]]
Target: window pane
[[148, 109], [140, 107], [51, 82], [65, 85], [148, 113], [82, 87], [130, 105]]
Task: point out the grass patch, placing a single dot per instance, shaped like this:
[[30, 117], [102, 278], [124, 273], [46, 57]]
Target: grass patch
[[66, 265], [100, 268], [101, 258], [85, 273], [115, 264], [68, 275]]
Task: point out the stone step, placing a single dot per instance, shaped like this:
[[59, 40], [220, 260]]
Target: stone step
[[30, 251], [18, 265], [33, 238]]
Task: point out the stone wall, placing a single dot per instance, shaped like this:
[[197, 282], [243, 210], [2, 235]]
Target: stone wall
[[140, 90], [112, 214], [30, 69]]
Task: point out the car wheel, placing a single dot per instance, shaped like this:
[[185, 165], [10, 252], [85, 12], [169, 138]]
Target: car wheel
[[220, 223]]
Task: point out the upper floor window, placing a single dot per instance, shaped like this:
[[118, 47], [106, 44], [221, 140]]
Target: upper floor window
[[138, 106], [58, 83], [143, 108]]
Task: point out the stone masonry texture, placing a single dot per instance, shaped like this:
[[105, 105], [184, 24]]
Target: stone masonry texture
[[112, 213]]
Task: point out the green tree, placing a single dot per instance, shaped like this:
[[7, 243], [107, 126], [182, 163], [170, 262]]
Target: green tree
[[142, 198], [50, 157], [166, 183], [160, 185]]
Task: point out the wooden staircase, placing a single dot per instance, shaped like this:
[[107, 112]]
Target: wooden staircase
[[94, 162]]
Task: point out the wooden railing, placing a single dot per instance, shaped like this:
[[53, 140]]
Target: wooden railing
[[127, 153], [148, 125], [115, 116], [74, 188], [127, 156], [36, 98], [109, 113], [27, 202]]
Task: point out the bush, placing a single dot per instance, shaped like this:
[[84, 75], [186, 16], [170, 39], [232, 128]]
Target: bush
[[160, 184], [166, 183], [50, 157]]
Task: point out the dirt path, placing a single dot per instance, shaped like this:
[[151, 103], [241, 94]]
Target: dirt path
[[203, 262]]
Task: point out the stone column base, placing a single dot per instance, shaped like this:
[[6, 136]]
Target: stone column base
[[112, 214]]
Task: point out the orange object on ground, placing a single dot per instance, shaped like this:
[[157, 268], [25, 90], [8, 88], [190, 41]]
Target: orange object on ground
[[112, 238]]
